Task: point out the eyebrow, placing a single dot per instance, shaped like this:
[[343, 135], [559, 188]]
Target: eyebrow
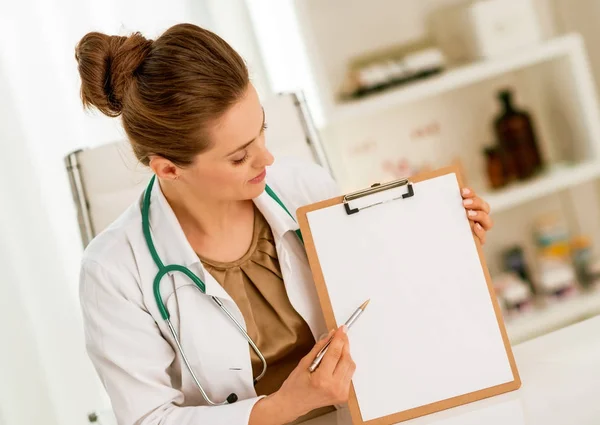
[[245, 145]]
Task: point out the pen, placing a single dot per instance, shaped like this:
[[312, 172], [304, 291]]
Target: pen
[[348, 324]]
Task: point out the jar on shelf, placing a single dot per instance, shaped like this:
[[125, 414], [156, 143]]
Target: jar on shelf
[[500, 167], [494, 167], [581, 252], [557, 278], [513, 293], [514, 129], [551, 233], [594, 274]]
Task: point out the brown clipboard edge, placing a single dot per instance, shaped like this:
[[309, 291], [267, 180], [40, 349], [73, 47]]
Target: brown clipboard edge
[[327, 308]]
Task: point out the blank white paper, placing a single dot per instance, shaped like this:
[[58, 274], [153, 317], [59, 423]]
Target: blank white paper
[[430, 332]]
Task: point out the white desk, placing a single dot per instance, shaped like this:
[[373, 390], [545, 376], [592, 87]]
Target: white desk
[[560, 374]]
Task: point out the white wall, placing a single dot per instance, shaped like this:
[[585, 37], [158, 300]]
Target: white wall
[[231, 20], [581, 16], [45, 375], [37, 232], [22, 375], [285, 50]]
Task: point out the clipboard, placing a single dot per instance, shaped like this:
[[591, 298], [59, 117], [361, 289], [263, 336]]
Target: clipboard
[[350, 238]]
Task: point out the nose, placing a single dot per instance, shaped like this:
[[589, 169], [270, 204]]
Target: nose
[[264, 158]]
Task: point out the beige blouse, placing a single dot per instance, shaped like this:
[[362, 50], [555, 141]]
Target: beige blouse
[[256, 285]]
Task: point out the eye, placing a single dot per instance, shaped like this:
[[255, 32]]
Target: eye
[[241, 160], [265, 126]]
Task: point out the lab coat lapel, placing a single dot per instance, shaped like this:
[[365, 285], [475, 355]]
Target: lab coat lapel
[[279, 221], [297, 275]]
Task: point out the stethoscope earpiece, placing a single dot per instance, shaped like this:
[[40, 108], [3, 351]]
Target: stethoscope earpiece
[[232, 398]]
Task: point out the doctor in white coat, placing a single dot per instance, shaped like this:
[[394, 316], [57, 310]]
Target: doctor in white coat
[[194, 118]]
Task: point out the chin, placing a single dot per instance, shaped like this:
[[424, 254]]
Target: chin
[[255, 190]]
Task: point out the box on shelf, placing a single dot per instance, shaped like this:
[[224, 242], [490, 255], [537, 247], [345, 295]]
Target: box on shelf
[[486, 28]]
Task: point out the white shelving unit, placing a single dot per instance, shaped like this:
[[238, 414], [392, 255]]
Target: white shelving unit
[[559, 178], [547, 319]]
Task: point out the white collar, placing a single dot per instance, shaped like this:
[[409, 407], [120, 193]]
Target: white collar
[[276, 216]]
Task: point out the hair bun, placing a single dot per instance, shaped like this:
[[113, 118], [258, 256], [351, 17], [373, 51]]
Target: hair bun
[[107, 66]]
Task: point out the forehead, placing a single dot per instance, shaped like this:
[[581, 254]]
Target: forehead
[[240, 124]]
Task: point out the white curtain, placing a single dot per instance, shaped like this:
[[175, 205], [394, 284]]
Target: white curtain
[[45, 376]]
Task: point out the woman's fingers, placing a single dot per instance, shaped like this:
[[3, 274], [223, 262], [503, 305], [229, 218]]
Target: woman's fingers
[[481, 218], [346, 378], [476, 203], [467, 192], [478, 212], [344, 364], [479, 232]]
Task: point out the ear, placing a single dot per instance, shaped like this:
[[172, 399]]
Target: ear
[[164, 168]]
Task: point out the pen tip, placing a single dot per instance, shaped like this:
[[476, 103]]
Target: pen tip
[[362, 307]]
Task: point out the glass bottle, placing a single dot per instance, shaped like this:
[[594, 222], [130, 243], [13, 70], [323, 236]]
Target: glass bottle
[[514, 130], [494, 167]]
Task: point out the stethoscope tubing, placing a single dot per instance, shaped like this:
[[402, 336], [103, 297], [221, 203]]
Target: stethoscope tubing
[[162, 271]]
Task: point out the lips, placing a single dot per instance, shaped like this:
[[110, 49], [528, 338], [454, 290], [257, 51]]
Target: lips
[[260, 177]]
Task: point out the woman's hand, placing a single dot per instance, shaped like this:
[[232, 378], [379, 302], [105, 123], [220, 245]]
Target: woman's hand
[[329, 384], [303, 391], [478, 212]]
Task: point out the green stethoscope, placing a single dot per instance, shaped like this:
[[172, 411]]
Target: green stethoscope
[[163, 270]]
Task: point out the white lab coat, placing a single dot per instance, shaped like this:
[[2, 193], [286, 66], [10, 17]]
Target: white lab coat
[[130, 344]]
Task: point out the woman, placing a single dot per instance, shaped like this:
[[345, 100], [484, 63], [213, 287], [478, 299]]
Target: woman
[[192, 116]]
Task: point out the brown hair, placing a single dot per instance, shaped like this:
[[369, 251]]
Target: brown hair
[[168, 91]]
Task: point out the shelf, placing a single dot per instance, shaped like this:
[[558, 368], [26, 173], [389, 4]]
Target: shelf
[[553, 317], [456, 78], [557, 179]]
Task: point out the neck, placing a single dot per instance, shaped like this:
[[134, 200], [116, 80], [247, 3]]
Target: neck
[[204, 216]]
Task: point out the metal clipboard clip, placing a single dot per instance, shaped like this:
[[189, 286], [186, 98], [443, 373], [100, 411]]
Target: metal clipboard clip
[[376, 188]]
